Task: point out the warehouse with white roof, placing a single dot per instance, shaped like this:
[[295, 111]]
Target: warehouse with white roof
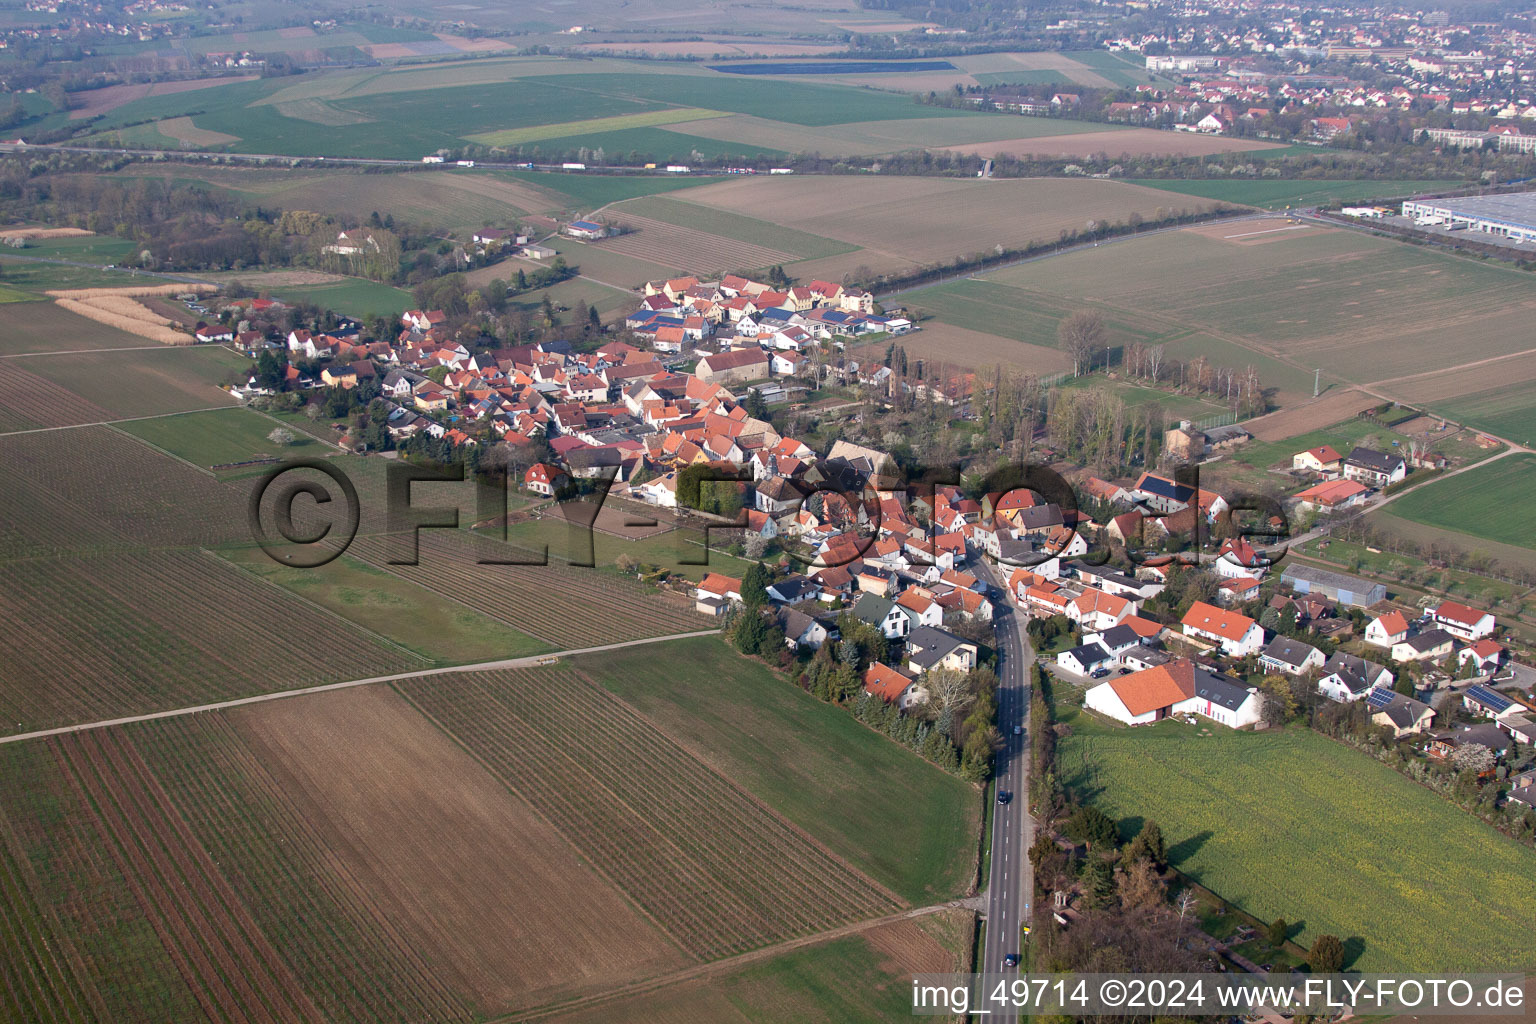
[[1510, 216]]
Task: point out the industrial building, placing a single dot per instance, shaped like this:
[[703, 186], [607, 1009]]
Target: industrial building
[[1511, 216]]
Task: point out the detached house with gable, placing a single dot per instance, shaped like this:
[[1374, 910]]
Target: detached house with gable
[[1237, 635]]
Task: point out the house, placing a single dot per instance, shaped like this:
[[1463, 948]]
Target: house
[[1237, 559], [801, 630], [925, 611], [1117, 640], [884, 614], [1483, 656], [892, 686], [718, 587], [1332, 496], [1488, 702], [1464, 623], [1322, 459], [1291, 657], [793, 589], [1087, 659], [1178, 687], [1236, 634], [1403, 715], [1430, 645], [930, 648], [1162, 494], [545, 479], [1386, 630], [1373, 468], [1095, 610], [1336, 586], [1347, 677]]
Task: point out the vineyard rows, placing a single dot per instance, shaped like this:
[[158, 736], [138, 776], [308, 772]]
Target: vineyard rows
[[721, 872], [28, 401], [97, 637], [96, 487], [123, 972], [233, 970], [562, 605], [350, 956]]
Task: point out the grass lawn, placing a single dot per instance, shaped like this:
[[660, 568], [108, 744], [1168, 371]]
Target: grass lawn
[[357, 297], [1177, 407], [665, 550], [1491, 502], [904, 822], [1469, 588], [1273, 193], [81, 248], [410, 615], [210, 439], [1291, 824], [30, 275], [1343, 436]]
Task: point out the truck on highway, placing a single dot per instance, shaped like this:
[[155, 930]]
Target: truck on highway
[[573, 167]]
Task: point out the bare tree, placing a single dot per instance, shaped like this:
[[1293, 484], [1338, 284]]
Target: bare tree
[[1082, 336], [1155, 361]]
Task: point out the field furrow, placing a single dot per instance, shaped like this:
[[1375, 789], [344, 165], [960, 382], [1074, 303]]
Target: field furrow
[[722, 872], [350, 955]]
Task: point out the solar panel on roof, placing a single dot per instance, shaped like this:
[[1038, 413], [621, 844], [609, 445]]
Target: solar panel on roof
[[1491, 699], [1379, 697]]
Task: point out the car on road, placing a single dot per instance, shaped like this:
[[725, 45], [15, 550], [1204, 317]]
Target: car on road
[[1011, 960], [1003, 796], [1018, 730]]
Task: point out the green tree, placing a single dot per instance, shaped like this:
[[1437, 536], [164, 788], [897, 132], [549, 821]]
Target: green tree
[[1148, 845], [1092, 826], [1277, 931], [1327, 956], [754, 587], [1098, 882]]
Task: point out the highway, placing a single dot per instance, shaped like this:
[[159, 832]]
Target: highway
[[1010, 881]]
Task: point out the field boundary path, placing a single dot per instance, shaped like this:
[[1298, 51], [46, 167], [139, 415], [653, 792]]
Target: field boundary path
[[714, 967], [530, 661]]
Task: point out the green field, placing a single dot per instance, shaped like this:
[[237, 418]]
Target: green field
[[147, 382], [357, 297], [538, 133], [891, 814], [407, 614], [1291, 824], [734, 225], [1175, 407], [1508, 411], [1274, 193], [847, 981], [1489, 502], [599, 190], [1343, 436], [217, 438]]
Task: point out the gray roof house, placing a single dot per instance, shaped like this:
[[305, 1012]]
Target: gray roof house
[[1337, 586]]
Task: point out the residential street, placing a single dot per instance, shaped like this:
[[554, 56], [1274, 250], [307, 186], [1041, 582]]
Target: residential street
[[1010, 881]]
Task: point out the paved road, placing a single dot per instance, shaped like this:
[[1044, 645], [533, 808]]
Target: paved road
[[483, 666], [1010, 883]]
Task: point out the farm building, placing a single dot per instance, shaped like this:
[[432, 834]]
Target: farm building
[[586, 229], [1338, 586], [1509, 216]]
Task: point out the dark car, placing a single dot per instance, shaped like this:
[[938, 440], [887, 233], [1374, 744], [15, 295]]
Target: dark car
[[1099, 673], [1003, 796], [1011, 960]]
